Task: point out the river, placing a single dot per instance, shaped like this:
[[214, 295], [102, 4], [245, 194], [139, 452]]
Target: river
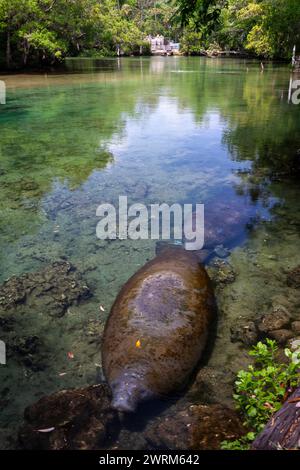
[[158, 130]]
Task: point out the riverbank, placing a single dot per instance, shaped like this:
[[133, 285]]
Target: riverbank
[[62, 67]]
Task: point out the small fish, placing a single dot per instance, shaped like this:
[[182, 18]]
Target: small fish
[[62, 374], [102, 308]]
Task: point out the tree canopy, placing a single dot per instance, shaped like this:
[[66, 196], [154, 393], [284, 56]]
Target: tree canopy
[[266, 28], [45, 31]]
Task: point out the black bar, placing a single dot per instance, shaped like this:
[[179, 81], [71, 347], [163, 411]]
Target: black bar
[[145, 459]]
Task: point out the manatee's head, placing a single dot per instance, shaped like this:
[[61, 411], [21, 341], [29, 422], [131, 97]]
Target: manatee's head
[[128, 391]]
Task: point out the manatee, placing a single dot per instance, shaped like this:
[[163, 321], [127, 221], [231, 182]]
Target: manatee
[[157, 329], [224, 224]]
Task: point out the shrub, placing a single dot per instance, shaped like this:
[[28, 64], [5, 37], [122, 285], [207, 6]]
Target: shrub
[[262, 388]]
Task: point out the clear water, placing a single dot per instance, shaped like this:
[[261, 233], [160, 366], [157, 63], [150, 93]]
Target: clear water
[[157, 130]]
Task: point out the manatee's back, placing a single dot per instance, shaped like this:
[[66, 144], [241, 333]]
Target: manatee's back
[[157, 328]]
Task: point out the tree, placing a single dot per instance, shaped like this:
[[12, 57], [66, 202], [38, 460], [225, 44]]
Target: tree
[[204, 14], [14, 15]]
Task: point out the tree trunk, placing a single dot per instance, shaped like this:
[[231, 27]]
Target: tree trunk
[[283, 429], [8, 50], [25, 51]]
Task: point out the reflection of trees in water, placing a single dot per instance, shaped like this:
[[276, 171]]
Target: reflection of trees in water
[[260, 126], [59, 133]]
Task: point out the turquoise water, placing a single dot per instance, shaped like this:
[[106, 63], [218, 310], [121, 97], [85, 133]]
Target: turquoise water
[[185, 130]]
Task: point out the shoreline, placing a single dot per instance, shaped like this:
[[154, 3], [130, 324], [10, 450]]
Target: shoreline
[[61, 67]]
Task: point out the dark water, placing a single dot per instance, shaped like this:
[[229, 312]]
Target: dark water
[[157, 130]]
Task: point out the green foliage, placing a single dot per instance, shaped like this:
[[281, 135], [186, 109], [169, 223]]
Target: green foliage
[[240, 444], [204, 13], [45, 31], [267, 28], [261, 390], [192, 41]]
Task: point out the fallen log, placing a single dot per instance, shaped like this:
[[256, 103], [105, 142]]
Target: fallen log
[[283, 430]]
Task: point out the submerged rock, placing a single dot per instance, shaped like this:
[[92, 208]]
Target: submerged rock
[[197, 427], [281, 336], [70, 419], [278, 319], [27, 351], [221, 272], [293, 278], [7, 323], [54, 289], [221, 251], [296, 327], [244, 332], [212, 385]]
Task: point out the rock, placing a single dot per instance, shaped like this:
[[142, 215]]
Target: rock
[[54, 289], [212, 386], [276, 320], [27, 345], [296, 327], [221, 251], [245, 333], [70, 419], [281, 336], [221, 272], [7, 323], [293, 278], [26, 350], [197, 427], [294, 344]]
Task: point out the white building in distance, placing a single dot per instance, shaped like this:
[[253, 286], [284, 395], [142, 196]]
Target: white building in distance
[[161, 46]]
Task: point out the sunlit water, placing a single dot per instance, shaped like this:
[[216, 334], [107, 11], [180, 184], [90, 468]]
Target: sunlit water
[[157, 130]]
